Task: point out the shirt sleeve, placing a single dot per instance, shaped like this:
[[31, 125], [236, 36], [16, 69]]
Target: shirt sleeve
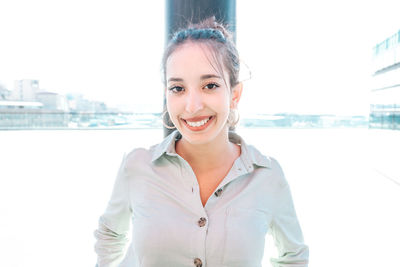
[[111, 235], [286, 232]]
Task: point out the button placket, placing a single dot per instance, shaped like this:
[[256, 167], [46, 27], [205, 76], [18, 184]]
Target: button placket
[[202, 222], [197, 262], [218, 192]]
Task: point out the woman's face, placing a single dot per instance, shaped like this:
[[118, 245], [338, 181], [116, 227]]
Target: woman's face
[[198, 99]]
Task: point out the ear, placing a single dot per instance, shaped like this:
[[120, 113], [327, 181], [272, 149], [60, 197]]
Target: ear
[[236, 94]]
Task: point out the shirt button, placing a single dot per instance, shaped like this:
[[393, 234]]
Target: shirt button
[[218, 192], [202, 222], [197, 262]]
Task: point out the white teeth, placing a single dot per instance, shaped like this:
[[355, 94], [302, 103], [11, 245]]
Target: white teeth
[[197, 123]]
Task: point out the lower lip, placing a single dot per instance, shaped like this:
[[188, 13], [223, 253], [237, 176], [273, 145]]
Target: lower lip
[[199, 128]]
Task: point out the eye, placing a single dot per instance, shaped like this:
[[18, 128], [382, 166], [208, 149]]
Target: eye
[[211, 86], [176, 89]]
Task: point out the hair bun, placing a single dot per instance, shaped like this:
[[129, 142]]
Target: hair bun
[[212, 23], [199, 33]]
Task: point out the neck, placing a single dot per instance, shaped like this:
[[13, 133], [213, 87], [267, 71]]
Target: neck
[[208, 156]]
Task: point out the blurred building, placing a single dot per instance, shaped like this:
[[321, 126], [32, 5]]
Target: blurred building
[[25, 90], [385, 93], [77, 103], [52, 101], [24, 106], [28, 107], [4, 93]]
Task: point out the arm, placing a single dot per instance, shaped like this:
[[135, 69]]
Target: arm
[[111, 236], [286, 232]]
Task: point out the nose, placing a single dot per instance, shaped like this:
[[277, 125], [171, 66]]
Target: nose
[[194, 102]]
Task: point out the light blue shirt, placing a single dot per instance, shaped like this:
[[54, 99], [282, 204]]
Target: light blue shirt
[[156, 192]]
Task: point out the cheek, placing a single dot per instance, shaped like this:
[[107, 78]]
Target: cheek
[[172, 106], [168, 104], [223, 103]]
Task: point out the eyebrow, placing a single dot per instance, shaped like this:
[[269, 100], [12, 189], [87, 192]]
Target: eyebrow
[[208, 76], [202, 77]]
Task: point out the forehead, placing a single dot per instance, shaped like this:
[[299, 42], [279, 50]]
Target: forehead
[[192, 58]]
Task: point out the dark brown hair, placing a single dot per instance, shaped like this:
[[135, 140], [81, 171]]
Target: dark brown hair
[[219, 41]]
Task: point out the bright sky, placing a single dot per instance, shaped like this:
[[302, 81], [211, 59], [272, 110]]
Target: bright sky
[[305, 56]]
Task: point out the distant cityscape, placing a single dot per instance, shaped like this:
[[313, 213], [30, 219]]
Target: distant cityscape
[[29, 107]]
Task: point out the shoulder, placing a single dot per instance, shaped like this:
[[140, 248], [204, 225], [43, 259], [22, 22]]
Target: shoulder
[[147, 156], [138, 157], [138, 154], [278, 173]]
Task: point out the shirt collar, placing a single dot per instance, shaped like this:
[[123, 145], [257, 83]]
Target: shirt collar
[[167, 146], [249, 154]]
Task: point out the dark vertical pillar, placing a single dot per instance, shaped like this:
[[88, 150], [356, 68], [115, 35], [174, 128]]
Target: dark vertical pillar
[[178, 14]]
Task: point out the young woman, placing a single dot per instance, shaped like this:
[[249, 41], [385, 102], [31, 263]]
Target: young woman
[[202, 197]]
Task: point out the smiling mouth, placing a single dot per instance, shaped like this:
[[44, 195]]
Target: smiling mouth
[[198, 124]]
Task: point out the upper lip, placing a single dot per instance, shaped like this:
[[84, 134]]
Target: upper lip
[[199, 118]]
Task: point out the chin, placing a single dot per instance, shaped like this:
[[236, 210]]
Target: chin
[[203, 137]]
